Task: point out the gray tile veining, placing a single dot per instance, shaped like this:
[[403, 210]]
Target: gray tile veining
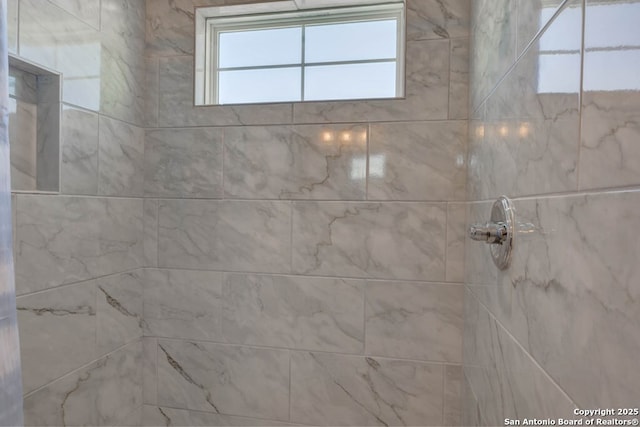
[[79, 166], [375, 240], [224, 379], [156, 416], [150, 232], [459, 79], [434, 19]]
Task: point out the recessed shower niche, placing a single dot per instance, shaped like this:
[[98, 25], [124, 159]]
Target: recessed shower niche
[[34, 127]]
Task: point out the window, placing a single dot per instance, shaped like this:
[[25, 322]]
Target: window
[[302, 55]]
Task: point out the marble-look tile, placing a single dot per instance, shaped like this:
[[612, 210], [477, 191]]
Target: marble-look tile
[[133, 419], [158, 416], [150, 371], [48, 156], [182, 304], [68, 239], [299, 162], [453, 395], [426, 93], [435, 19], [224, 379], [99, 394], [493, 49], [506, 381], [122, 73], [23, 137], [79, 167], [456, 234], [86, 10], [151, 92], [119, 311], [50, 36], [12, 26], [609, 154], [533, 15], [470, 407], [328, 389], [420, 321], [150, 232], [57, 332], [231, 235], [184, 163], [417, 161], [459, 79], [175, 102], [376, 240], [573, 283], [294, 312], [121, 157]]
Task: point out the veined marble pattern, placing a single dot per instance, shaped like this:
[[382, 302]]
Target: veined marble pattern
[[48, 157], [415, 321], [157, 416], [57, 332], [298, 162], [493, 51], [23, 135], [453, 377], [507, 382], [376, 240], [122, 73], [119, 310], [69, 239], [150, 232], [417, 161], [183, 163], [456, 234], [182, 304], [470, 407], [121, 157], [294, 312], [328, 389], [151, 92], [224, 379], [459, 79], [149, 371], [56, 39], [86, 10], [175, 102], [79, 167], [433, 19], [426, 97], [230, 235], [100, 394]]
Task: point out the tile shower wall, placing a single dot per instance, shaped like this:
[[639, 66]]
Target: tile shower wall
[[555, 122], [79, 253], [305, 260]]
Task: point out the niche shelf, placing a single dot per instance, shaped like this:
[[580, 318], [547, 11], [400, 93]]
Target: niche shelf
[[34, 127]]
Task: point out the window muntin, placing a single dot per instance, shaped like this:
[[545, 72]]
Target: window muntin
[[326, 54]]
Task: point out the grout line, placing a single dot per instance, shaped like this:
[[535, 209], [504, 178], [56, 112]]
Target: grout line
[[447, 208]]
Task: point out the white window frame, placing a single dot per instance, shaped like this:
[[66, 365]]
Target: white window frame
[[209, 28]]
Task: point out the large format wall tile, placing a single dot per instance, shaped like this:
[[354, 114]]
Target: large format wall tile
[[154, 416], [99, 394], [79, 166], [224, 379], [150, 232], [294, 312], [183, 163], [57, 332], [377, 240], [231, 235], [299, 162], [69, 239], [459, 79], [119, 311], [505, 379], [415, 321], [417, 161], [426, 97], [609, 153], [182, 304], [175, 102], [121, 158], [329, 389], [433, 19], [456, 235], [86, 10]]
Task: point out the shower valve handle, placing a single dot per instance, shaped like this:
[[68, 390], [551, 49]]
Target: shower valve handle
[[490, 232]]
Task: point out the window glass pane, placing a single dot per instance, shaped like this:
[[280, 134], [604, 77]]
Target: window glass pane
[[349, 42], [260, 47], [264, 85], [352, 81]]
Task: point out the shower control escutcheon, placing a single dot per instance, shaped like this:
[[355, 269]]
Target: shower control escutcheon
[[498, 232]]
